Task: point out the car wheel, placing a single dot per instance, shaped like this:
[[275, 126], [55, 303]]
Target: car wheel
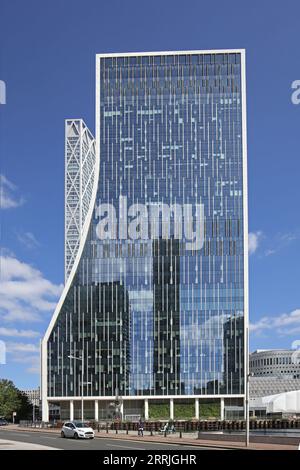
[[76, 435], [62, 434]]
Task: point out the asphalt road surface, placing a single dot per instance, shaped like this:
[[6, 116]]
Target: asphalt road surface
[[52, 440]]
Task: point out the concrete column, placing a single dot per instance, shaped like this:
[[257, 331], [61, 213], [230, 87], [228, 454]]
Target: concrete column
[[122, 410], [197, 408], [71, 410], [96, 410], [171, 408], [146, 405], [222, 409], [45, 410]]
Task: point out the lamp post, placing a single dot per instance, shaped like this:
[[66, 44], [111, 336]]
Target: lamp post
[[81, 358], [247, 389]]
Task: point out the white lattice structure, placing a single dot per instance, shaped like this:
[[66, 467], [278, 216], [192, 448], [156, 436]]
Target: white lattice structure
[[79, 180]]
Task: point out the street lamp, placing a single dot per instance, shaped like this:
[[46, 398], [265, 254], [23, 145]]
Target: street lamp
[[81, 358], [33, 410], [250, 374], [247, 389]]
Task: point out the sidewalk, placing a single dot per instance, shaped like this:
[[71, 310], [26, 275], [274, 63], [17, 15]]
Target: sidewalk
[[189, 440]]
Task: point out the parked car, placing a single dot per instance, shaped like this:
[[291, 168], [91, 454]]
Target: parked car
[[77, 430], [3, 422]]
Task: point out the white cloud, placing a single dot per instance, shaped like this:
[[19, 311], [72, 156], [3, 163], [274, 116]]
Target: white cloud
[[254, 239], [274, 243], [34, 368], [28, 240], [27, 355], [8, 194], [281, 241], [34, 365], [289, 236], [285, 324], [24, 292], [13, 332], [22, 348], [270, 252]]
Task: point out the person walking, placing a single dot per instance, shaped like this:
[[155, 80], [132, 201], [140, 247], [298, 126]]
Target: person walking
[[141, 428]]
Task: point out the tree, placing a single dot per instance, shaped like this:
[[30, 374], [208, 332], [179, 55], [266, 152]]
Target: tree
[[25, 410], [12, 399]]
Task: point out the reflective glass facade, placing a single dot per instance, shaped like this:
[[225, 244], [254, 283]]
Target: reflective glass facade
[[153, 315]]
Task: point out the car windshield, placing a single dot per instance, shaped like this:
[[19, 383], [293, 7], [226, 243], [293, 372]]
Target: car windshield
[[80, 424]]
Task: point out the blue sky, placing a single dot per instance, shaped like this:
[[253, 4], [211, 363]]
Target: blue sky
[[47, 55]]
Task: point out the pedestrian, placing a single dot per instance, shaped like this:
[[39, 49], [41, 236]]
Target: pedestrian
[[141, 428]]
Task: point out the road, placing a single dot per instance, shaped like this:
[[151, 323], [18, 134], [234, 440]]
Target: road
[[55, 441]]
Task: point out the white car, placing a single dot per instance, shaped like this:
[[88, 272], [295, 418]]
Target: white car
[[77, 430]]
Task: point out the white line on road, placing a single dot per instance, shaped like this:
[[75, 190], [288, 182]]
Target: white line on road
[[126, 447], [22, 445]]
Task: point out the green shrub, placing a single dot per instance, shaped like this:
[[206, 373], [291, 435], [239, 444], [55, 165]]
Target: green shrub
[[184, 411], [209, 410], [159, 411]]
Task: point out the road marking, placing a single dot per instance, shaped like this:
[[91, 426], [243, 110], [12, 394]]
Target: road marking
[[161, 444], [126, 447], [24, 445]]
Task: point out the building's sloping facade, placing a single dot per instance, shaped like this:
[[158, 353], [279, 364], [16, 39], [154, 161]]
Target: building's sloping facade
[[157, 300]]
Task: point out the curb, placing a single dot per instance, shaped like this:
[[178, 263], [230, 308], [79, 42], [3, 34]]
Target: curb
[[180, 443]]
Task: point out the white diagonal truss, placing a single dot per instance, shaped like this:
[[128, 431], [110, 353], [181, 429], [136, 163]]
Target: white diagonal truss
[[80, 157]]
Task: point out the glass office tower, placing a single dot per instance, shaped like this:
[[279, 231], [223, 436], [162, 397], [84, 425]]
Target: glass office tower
[[157, 298]]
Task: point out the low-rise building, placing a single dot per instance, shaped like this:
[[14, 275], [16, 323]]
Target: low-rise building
[[275, 362], [33, 395], [274, 383]]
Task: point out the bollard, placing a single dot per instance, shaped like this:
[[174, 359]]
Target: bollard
[[116, 430], [180, 434], [106, 429], [126, 429], [199, 435], [98, 427], [165, 433], [151, 432]]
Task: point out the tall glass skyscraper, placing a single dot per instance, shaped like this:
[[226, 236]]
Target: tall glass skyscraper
[[156, 298]]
